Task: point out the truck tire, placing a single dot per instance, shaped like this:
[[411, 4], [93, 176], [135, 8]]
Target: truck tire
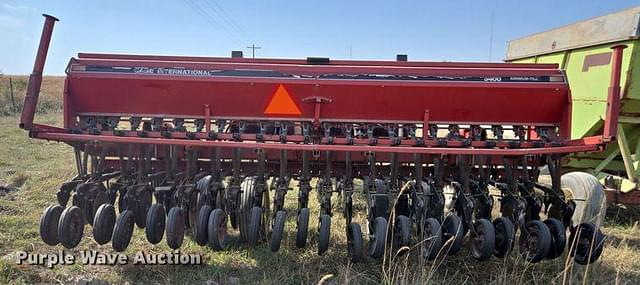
[[586, 192]]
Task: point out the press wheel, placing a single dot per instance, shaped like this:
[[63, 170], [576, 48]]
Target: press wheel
[[505, 233], [103, 223], [377, 237], [175, 227], [431, 242], [71, 227], [324, 233], [202, 225], [452, 233], [123, 231], [483, 239], [535, 240], [303, 228], [278, 230], [354, 242], [155, 224], [217, 229]]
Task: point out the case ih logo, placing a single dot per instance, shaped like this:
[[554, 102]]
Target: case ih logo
[[281, 103], [172, 71]]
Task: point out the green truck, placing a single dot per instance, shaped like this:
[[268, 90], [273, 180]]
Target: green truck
[[583, 51]]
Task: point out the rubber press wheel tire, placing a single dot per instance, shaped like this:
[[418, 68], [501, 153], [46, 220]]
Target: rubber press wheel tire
[[202, 225], [103, 223], [122, 199], [155, 224], [142, 208], [101, 198], [483, 239], [452, 233], [242, 217], [324, 234], [203, 186], [278, 230], [402, 231], [255, 223], [123, 231], [377, 237], [49, 224], [558, 238], [354, 242], [303, 228], [217, 229], [192, 211], [71, 227], [175, 227], [587, 242], [534, 242], [381, 202], [505, 233], [431, 242]]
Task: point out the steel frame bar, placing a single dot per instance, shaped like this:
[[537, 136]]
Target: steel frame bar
[[623, 144], [302, 61], [310, 147]]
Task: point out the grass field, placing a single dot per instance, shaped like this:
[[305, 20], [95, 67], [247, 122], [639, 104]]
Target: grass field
[[32, 170]]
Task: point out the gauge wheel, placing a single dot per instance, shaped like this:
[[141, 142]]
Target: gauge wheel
[[278, 230], [217, 229], [452, 233], [534, 242], [558, 237], [377, 237], [49, 224], [431, 239], [202, 225], [71, 227], [175, 227], [303, 228], [483, 239], [155, 224], [505, 235], [402, 231], [324, 233], [123, 231], [142, 208], [103, 223], [587, 243], [354, 242]]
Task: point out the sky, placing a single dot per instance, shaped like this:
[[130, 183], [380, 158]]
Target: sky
[[425, 30]]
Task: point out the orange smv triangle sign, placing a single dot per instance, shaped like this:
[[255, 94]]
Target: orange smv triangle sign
[[282, 104]]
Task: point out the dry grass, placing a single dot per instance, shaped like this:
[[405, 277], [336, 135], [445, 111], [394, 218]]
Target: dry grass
[[32, 170], [49, 100]]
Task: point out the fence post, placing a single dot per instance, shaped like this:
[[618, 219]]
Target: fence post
[[13, 100]]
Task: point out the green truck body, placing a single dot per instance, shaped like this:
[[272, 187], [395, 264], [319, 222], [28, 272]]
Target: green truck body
[[583, 51]]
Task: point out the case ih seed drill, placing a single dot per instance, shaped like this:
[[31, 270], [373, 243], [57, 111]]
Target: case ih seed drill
[[177, 145]]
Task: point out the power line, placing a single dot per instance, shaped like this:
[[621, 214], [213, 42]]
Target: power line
[[194, 6], [224, 16]]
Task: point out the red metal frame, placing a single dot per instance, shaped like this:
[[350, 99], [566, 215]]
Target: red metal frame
[[452, 93], [613, 96], [302, 61], [35, 79]]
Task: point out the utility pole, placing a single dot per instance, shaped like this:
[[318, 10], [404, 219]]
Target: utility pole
[[253, 49]]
